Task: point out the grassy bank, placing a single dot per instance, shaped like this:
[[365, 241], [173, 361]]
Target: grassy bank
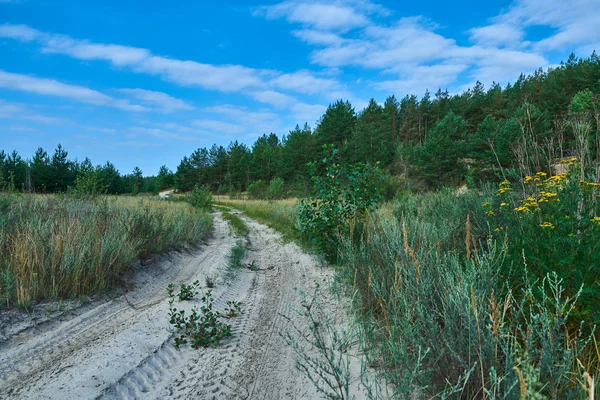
[[460, 296], [57, 247]]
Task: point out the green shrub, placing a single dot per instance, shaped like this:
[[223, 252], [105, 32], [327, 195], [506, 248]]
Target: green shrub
[[257, 190], [276, 189], [340, 199], [201, 197], [204, 329]]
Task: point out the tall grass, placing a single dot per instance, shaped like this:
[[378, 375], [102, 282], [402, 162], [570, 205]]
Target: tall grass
[[57, 247], [441, 317]]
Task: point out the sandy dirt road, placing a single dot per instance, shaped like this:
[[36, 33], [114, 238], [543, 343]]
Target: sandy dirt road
[[123, 348]]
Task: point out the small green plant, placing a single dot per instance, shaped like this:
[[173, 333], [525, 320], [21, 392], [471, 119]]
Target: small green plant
[[202, 328], [186, 292], [328, 368], [233, 309], [209, 282], [252, 266], [237, 254]]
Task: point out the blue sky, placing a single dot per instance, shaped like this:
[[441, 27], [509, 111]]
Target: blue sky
[[144, 83]]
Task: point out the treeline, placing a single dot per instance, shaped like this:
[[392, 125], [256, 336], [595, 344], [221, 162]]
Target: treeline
[[437, 140], [57, 174]]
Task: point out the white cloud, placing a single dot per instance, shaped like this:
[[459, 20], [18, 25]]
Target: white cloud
[[277, 99], [159, 100], [573, 22], [219, 126], [304, 82], [323, 16], [51, 87], [500, 34], [317, 37]]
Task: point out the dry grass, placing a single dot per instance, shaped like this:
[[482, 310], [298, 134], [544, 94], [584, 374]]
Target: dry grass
[[58, 247]]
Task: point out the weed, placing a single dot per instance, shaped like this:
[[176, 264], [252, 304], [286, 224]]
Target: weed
[[202, 328], [252, 266], [209, 282], [236, 223], [329, 368], [237, 255], [233, 309]]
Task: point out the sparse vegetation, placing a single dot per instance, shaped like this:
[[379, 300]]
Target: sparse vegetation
[[237, 255], [236, 223], [186, 292], [203, 329]]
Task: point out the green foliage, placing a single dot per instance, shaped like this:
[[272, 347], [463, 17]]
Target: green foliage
[[582, 102], [237, 255], [437, 315], [236, 223], [165, 178], [340, 199], [257, 190], [186, 292], [233, 309], [201, 197], [552, 225], [88, 184], [203, 328], [276, 189], [442, 154]]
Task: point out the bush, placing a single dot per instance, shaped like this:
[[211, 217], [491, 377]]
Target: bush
[[276, 189], [340, 199], [201, 197], [257, 190]]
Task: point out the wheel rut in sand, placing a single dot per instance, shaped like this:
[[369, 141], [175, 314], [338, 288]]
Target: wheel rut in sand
[[124, 349]]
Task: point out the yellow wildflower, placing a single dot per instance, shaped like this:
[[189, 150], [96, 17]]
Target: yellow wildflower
[[547, 194], [528, 179], [486, 204], [557, 178], [503, 204], [596, 220], [569, 160], [490, 213], [503, 190], [547, 225], [499, 229], [521, 209]]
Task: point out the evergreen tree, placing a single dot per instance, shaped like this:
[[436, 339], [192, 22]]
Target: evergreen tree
[[336, 125], [41, 171]]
